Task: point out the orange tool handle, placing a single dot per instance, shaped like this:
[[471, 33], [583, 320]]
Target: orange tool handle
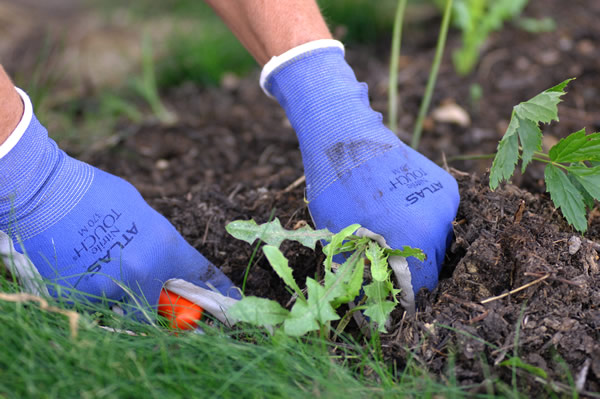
[[184, 315]]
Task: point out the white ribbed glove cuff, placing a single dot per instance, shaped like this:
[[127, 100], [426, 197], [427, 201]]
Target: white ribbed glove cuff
[[279, 60]]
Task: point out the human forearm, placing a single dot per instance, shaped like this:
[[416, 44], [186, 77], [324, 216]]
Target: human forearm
[[269, 28], [11, 107]]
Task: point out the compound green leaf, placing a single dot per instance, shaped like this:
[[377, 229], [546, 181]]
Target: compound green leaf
[[566, 197], [507, 155], [590, 151], [279, 263], [530, 136], [258, 311], [577, 147], [589, 178], [588, 200], [544, 106], [273, 233]]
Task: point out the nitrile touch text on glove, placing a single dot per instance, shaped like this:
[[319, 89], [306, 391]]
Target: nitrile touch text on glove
[[86, 230]]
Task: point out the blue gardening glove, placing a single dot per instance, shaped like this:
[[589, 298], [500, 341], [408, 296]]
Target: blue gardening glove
[[357, 170], [88, 230]]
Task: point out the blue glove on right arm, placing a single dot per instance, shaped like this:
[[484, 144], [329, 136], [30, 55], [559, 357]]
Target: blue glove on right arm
[[357, 170], [87, 230]]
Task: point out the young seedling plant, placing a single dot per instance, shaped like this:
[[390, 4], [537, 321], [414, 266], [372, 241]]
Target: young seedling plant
[[315, 308], [572, 171]]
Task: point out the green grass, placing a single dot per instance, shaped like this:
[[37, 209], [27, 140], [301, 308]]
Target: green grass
[[41, 359], [203, 56], [363, 21], [200, 50]]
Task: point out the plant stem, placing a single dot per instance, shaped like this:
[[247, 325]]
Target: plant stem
[[393, 81], [439, 52], [550, 162], [148, 86], [470, 157], [250, 262]]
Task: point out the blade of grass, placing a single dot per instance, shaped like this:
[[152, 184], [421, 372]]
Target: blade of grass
[[396, 44], [439, 52]]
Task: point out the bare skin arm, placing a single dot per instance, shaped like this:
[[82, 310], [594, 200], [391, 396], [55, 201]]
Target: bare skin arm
[[11, 106], [269, 28]]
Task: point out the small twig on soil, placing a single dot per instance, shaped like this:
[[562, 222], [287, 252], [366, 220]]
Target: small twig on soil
[[471, 305], [234, 192], [494, 298], [594, 244], [457, 172], [519, 213], [205, 236], [23, 297], [480, 317], [553, 278], [295, 184], [468, 304], [445, 162]]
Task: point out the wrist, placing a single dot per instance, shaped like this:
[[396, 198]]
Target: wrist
[[38, 181], [279, 61], [11, 107], [316, 86], [18, 116]]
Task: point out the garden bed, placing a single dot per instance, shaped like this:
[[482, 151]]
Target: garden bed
[[233, 155]]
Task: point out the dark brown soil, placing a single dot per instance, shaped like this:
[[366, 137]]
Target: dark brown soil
[[232, 154]]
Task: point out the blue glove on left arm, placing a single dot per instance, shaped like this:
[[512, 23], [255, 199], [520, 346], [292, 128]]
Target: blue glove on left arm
[[87, 230], [357, 170]]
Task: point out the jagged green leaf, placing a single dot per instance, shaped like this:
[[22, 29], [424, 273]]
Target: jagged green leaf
[[392, 290], [406, 251], [378, 308], [273, 233], [350, 275], [566, 197], [589, 178], [336, 242], [379, 265], [588, 200], [577, 147], [524, 127], [380, 312], [530, 136], [560, 88], [507, 155], [316, 311], [279, 263], [354, 285], [258, 311], [544, 106]]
